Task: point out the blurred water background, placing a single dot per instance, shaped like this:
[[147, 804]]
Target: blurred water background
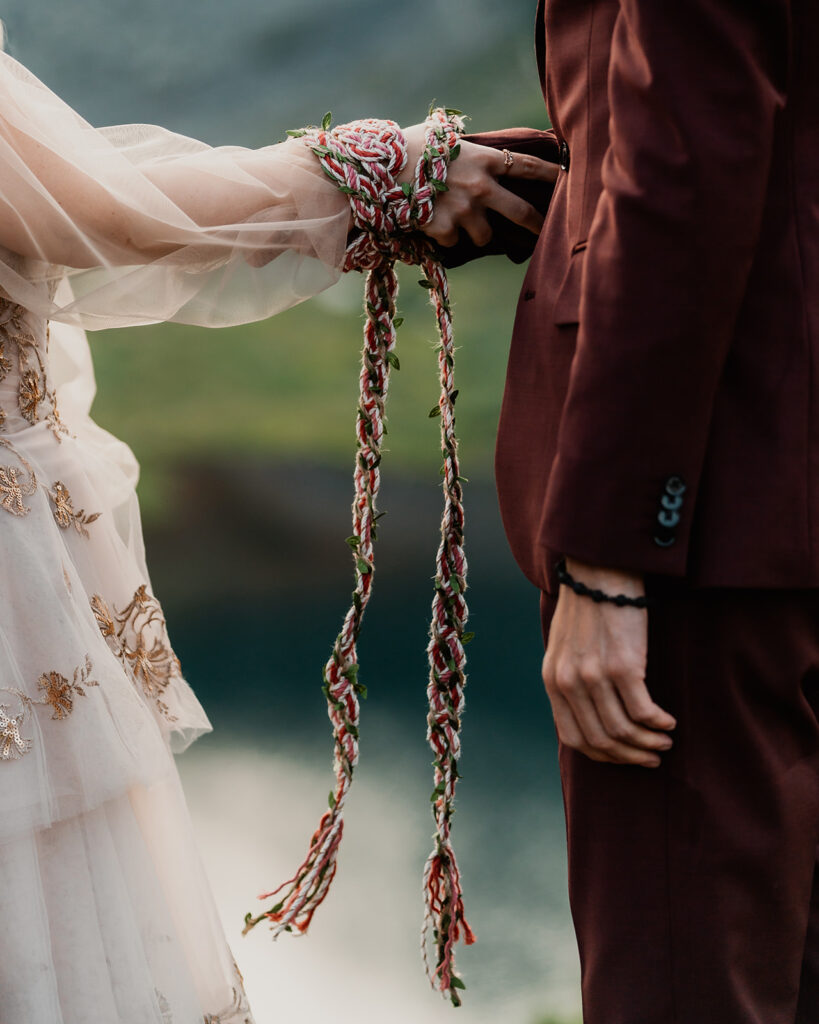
[[245, 437]]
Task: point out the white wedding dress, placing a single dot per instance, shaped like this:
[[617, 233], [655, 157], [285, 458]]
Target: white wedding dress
[[107, 915]]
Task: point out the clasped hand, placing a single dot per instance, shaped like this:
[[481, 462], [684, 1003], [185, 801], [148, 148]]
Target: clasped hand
[[473, 187], [594, 673]]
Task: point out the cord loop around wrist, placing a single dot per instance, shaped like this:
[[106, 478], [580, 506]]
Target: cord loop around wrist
[[621, 600], [363, 159]]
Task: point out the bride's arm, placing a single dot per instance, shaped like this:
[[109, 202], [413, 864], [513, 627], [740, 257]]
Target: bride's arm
[[98, 206], [149, 225]]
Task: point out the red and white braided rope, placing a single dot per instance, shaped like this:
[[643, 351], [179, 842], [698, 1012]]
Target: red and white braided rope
[[363, 159]]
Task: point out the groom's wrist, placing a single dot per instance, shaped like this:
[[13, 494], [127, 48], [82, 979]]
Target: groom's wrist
[[606, 578]]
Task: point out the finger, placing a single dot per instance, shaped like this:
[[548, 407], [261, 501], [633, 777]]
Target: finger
[[523, 165], [641, 708], [619, 726], [513, 208], [478, 228], [442, 230], [569, 731], [567, 728], [598, 737]]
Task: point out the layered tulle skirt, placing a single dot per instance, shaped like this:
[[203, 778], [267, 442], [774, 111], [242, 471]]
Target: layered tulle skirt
[[106, 912]]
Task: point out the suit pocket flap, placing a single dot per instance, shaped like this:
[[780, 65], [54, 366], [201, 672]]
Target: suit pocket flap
[[567, 303]]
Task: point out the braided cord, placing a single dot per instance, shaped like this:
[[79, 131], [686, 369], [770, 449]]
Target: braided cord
[[363, 158], [444, 909]]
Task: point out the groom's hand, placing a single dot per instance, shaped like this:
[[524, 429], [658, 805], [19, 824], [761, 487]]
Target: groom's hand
[[594, 672], [474, 181]]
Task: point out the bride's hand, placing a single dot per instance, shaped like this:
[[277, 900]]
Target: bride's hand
[[474, 188]]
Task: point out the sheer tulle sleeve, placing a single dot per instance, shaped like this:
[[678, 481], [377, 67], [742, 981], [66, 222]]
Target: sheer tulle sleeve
[[147, 225]]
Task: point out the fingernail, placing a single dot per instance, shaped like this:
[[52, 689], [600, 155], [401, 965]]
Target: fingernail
[[666, 745]]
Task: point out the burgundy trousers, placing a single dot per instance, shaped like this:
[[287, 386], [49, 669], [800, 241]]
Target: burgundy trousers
[[694, 886]]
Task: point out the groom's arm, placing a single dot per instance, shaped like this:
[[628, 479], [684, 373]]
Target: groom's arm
[[509, 239], [695, 89]]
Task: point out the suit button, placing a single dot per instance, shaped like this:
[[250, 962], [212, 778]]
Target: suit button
[[564, 155], [674, 485], [528, 295], [668, 518], [668, 502]]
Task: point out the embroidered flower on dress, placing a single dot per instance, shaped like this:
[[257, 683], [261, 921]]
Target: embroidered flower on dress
[[64, 512], [59, 692], [59, 695], [11, 490], [103, 617], [12, 743], [5, 363], [138, 636], [30, 395], [32, 390]]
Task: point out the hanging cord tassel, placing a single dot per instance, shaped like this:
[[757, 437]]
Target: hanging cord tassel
[[363, 158], [444, 908]]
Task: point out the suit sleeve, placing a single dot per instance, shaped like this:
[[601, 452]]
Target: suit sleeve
[[695, 89], [509, 239]]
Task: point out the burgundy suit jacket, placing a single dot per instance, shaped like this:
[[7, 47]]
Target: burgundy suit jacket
[[661, 411]]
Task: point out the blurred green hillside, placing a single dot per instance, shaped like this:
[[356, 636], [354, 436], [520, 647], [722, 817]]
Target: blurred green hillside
[[287, 387]]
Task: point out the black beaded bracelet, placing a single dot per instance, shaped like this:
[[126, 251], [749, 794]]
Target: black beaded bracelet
[[566, 577]]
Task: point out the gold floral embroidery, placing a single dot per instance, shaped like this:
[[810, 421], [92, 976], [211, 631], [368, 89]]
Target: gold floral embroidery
[[138, 636], [5, 362], [33, 390], [103, 617], [64, 510], [12, 744], [30, 395], [59, 695], [12, 490]]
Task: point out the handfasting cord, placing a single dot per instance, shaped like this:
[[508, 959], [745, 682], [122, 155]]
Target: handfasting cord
[[363, 159]]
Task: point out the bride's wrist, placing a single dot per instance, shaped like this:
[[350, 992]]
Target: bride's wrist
[[415, 136]]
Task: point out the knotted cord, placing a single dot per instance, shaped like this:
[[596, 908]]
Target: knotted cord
[[363, 159]]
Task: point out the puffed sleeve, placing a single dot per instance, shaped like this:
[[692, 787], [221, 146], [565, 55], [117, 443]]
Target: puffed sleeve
[[148, 225], [695, 93]]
